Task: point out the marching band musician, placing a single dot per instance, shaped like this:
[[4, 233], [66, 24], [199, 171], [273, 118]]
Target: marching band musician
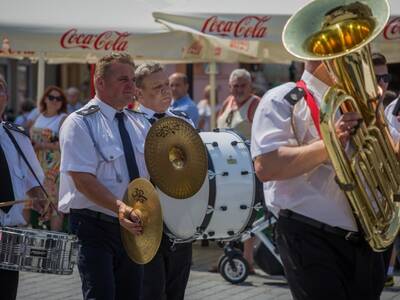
[[167, 274], [18, 180], [324, 255], [102, 150]]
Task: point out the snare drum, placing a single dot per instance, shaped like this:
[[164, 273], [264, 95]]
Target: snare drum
[[37, 251], [225, 205]]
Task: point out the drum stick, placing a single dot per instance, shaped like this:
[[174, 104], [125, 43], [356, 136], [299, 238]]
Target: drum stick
[[9, 203]]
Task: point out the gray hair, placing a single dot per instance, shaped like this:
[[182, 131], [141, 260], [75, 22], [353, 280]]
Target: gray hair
[[144, 70], [240, 73], [73, 90]]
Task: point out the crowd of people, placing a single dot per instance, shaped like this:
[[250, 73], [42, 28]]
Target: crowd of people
[[84, 174]]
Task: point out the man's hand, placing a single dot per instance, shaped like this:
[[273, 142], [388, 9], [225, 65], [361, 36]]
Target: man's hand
[[347, 125], [129, 219], [39, 200]]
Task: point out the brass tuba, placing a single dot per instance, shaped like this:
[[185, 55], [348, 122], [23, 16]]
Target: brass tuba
[[339, 33]]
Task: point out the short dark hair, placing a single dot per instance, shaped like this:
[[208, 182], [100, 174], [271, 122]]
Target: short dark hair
[[378, 59], [104, 64], [388, 97]]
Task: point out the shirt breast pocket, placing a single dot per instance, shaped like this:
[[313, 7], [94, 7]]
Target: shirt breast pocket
[[19, 172], [110, 166]]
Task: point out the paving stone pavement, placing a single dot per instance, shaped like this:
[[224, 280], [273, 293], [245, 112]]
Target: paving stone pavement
[[202, 284]]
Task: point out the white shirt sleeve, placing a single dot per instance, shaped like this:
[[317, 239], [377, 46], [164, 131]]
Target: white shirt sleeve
[[271, 127], [77, 149], [393, 123]]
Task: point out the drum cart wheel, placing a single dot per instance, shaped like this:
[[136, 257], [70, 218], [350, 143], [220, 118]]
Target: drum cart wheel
[[232, 265]]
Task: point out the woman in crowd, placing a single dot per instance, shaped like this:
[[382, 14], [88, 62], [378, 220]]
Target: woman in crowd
[[44, 134]]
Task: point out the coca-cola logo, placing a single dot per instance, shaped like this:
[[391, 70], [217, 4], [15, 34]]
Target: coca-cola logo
[[239, 45], [248, 27], [107, 40], [194, 48], [392, 29]]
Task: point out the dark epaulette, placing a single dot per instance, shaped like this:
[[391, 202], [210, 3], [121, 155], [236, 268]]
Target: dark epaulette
[[89, 110], [15, 127], [294, 95], [134, 111], [180, 113]]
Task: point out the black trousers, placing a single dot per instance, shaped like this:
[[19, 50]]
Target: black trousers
[[106, 271], [321, 265], [166, 276], [9, 284], [387, 255]]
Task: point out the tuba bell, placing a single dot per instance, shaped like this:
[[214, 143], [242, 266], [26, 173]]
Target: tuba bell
[[339, 33]]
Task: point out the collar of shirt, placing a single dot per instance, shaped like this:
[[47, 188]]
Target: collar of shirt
[[106, 109], [180, 101], [147, 111], [315, 86]]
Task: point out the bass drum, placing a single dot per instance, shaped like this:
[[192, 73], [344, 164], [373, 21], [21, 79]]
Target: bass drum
[[224, 206]]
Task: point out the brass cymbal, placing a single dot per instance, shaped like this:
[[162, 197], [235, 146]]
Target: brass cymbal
[[175, 157], [143, 198]]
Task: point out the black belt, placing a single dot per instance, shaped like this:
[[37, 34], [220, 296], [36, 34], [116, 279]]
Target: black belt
[[347, 235], [95, 214]]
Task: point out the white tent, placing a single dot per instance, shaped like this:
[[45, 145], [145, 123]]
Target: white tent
[[196, 31], [81, 31], [254, 28]]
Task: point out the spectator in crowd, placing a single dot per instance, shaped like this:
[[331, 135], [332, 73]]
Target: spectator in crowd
[[44, 134], [238, 109], [381, 72], [204, 109], [73, 95], [25, 109], [180, 99], [32, 116]]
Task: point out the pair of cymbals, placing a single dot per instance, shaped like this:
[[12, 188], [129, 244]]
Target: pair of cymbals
[[143, 198], [176, 158]]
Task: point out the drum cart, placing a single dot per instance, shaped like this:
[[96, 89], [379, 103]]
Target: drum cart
[[232, 265]]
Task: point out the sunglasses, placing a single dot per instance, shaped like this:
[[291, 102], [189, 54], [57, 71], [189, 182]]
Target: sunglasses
[[53, 98], [384, 77]]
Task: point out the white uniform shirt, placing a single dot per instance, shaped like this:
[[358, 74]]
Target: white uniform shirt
[[21, 177], [78, 153], [149, 114], [393, 123], [314, 194]]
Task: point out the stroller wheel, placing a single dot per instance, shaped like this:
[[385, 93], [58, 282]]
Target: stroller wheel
[[221, 259], [235, 271]]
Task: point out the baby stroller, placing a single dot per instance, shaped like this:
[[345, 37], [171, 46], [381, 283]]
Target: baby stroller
[[232, 265]]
